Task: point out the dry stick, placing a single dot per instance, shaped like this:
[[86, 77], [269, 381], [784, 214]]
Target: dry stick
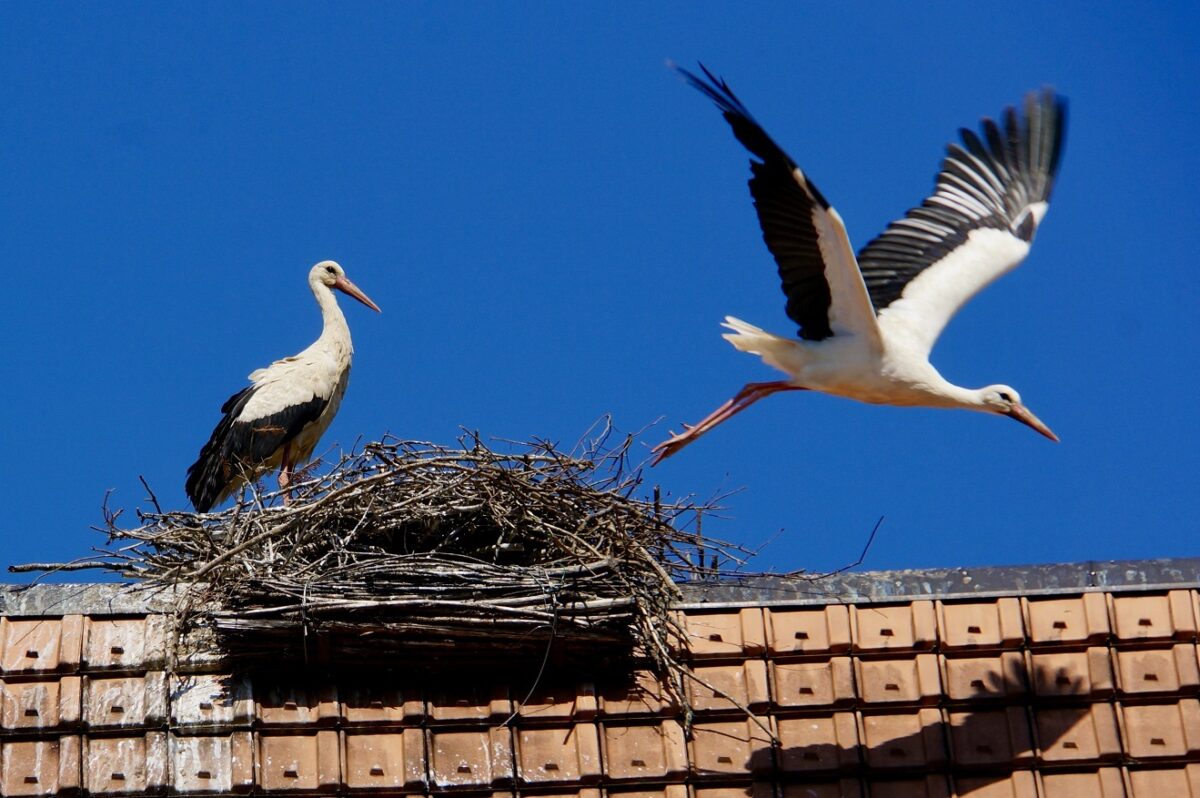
[[593, 607], [153, 498], [862, 555], [74, 565]]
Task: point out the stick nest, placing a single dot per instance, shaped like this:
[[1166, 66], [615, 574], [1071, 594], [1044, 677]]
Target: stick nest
[[416, 547]]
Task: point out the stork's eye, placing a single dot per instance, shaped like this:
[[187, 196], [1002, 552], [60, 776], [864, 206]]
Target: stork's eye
[[329, 269], [1005, 396]]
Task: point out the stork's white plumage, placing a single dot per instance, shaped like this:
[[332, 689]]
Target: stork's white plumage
[[277, 421], [867, 325]]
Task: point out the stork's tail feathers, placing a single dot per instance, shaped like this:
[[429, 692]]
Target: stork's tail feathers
[[209, 477], [777, 352], [204, 482], [745, 336]]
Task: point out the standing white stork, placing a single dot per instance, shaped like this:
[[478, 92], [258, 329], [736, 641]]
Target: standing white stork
[[277, 421], [867, 326]]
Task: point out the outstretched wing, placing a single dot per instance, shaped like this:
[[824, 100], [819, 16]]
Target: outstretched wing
[[825, 292], [991, 194]]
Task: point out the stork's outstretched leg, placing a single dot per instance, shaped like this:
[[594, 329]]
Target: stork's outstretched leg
[[285, 472], [750, 393]]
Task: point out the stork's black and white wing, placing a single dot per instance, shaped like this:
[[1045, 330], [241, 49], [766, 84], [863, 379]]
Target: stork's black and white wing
[[825, 292], [257, 422], [991, 195]]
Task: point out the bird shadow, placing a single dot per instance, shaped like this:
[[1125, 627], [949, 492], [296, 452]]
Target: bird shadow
[[997, 717]]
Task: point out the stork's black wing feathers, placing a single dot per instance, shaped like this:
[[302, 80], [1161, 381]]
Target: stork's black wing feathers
[[239, 446], [234, 404], [212, 471], [784, 199], [987, 182]]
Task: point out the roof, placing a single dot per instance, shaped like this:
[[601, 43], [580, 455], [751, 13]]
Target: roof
[[1057, 681]]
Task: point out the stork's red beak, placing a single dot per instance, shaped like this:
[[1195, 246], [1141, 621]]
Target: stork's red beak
[[347, 287], [1021, 413]]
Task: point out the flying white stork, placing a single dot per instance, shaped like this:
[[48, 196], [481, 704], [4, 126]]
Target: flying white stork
[[866, 326], [277, 421]]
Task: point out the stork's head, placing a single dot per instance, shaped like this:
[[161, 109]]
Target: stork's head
[[1006, 401], [331, 275]]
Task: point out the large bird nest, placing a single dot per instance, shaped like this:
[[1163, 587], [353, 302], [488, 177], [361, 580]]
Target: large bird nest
[[512, 552]]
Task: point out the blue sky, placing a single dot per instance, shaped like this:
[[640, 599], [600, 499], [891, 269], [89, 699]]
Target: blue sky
[[554, 225]]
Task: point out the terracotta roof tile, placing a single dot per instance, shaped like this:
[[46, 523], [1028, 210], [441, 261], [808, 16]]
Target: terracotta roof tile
[[1052, 693], [812, 630]]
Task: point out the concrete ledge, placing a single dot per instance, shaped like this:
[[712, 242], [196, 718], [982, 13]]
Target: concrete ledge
[[85, 599], [860, 588], [948, 583]]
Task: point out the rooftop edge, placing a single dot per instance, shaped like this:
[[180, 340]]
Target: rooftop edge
[[863, 587]]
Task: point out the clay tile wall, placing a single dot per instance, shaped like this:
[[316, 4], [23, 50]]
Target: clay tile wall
[[1036, 692]]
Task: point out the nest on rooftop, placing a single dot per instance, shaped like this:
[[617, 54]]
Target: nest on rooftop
[[508, 552]]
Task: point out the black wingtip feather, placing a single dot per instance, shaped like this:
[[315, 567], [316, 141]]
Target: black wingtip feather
[[1059, 104], [208, 476], [746, 128], [784, 200]]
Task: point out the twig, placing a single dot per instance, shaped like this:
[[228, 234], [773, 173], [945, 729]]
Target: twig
[[153, 498], [861, 557]]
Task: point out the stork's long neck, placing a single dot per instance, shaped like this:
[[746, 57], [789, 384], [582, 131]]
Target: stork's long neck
[[921, 384], [335, 333], [944, 393]]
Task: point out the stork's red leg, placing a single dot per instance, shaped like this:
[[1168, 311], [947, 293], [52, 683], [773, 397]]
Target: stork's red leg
[[750, 393], [285, 471]]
